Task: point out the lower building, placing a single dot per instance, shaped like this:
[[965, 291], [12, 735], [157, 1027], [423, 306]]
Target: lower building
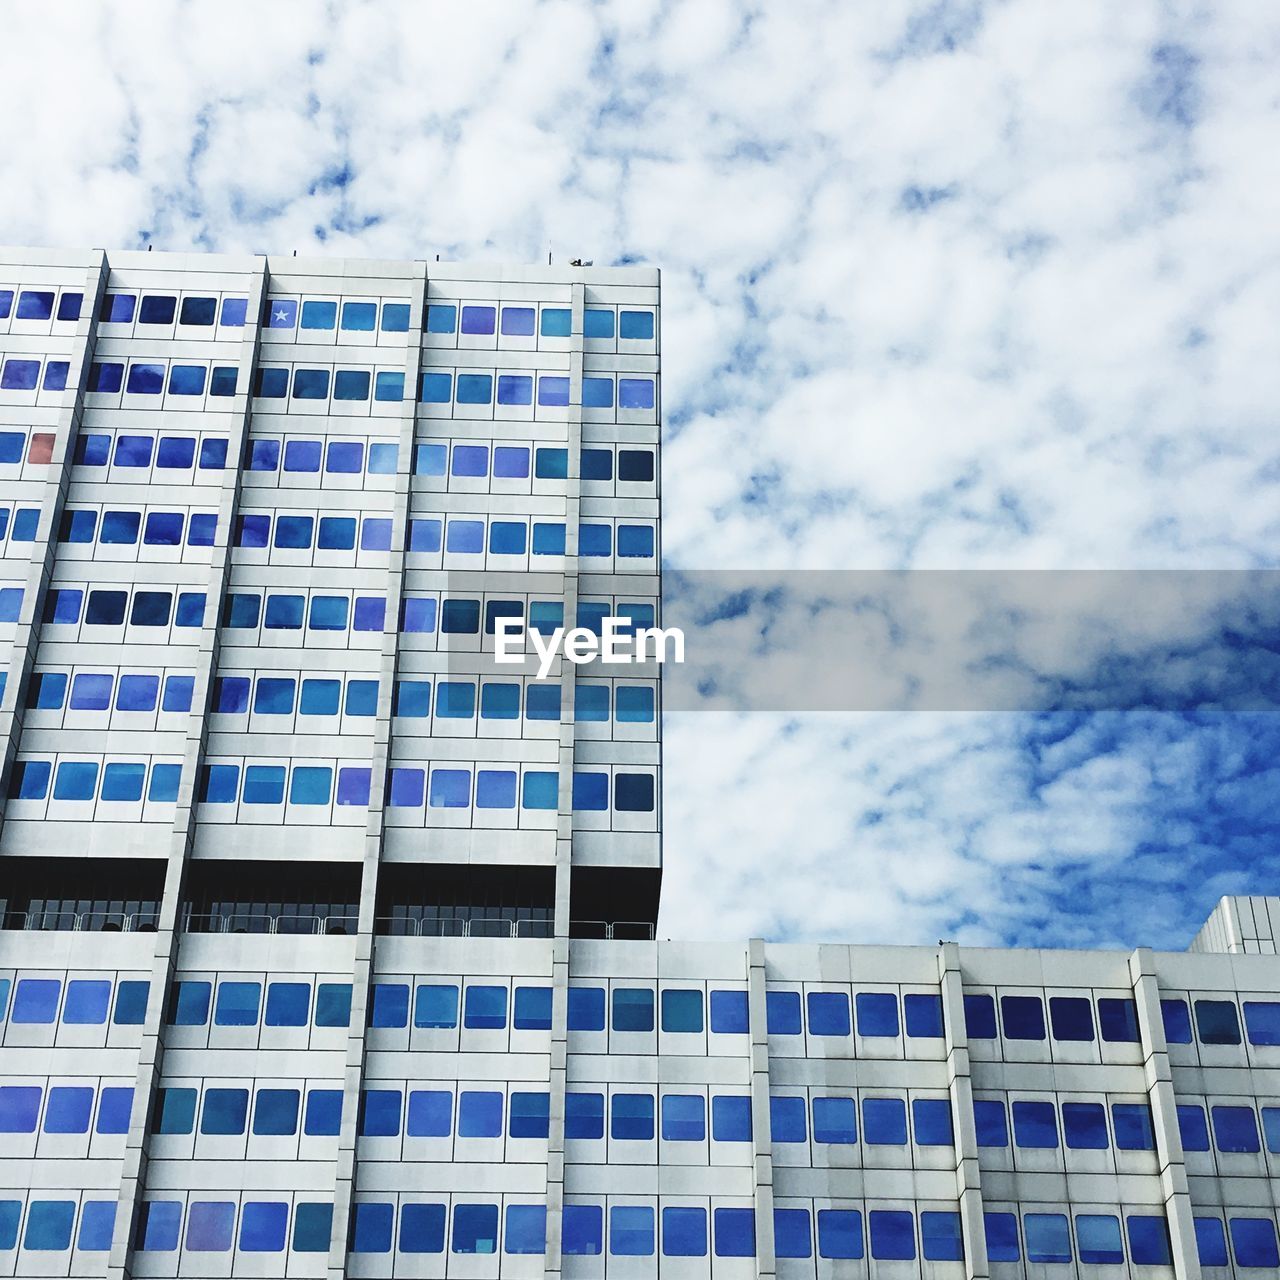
[[611, 1108]]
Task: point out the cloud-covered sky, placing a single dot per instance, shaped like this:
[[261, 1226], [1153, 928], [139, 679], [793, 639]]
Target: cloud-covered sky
[[947, 284]]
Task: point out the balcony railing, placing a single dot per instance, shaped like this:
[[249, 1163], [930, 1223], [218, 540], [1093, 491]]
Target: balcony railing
[[612, 930], [82, 921], [476, 927], [262, 922]]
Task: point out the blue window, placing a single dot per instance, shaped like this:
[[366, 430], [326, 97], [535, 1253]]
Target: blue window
[[145, 379], [1217, 1022], [288, 1004], [157, 309], [275, 1112], [284, 613], [584, 1115], [1211, 1242], [133, 451], [225, 1111], [634, 704], [323, 1115], [164, 529], [591, 703], [395, 317], [174, 1111], [590, 791], [631, 1117], [164, 783], [595, 540], [551, 464], [75, 526], [408, 788], [782, 1013], [637, 326], [991, 1122], [507, 537], [1270, 1128], [75, 780], [120, 528], [131, 1003], [633, 792], [829, 1013], [1254, 1241], [117, 308], [55, 378], [421, 1225], [1023, 1018], [475, 1228], [319, 315], [539, 789], [333, 1004], [517, 321], [47, 690], [635, 393], [940, 1239], [835, 1120], [597, 464], [234, 311], [630, 1226], [264, 455], [1048, 1236], [61, 605], [352, 384], [684, 1117], [542, 702], [450, 789], [436, 388], [597, 393], [262, 1226], [582, 1230], [1118, 1020], [311, 784], [735, 1233], [788, 1121], [380, 1113], [137, 693], [515, 388], [459, 617], [923, 1015], [371, 1230], [1262, 1021], [1071, 1018], [684, 1232], [344, 457], [1001, 1230], [359, 317], [69, 305], [931, 1122], [328, 613], [186, 379], [510, 462], [430, 1113], [1148, 1239], [159, 1222], [893, 1234], [30, 779], [1098, 1238], [293, 533], [87, 1001], [198, 311], [1132, 1121], [26, 522], [319, 697], [375, 534], [123, 782], [1035, 1124], [553, 391], [390, 1005], [337, 533], [792, 1233], [597, 322], [632, 1009], [884, 1121], [97, 1225], [189, 1004], [485, 1008], [263, 784], [222, 382], [91, 692], [499, 701], [530, 1114], [20, 375], [586, 1007], [475, 388], [681, 1010], [479, 1114], [1084, 1126], [731, 1118], [1193, 1128], [302, 456], [19, 1108], [635, 465], [105, 377], [729, 1014], [877, 1013], [353, 786], [1235, 1129], [478, 320], [310, 384], [532, 1008], [49, 1225]]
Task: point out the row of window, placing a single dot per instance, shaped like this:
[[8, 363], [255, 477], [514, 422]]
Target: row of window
[[114, 528], [240, 1004], [188, 311], [22, 373], [480, 319], [437, 386], [41, 304], [1083, 1125], [65, 1109], [1071, 1018], [1234, 1128], [77, 1002], [311, 382], [1217, 1021], [16, 445], [132, 452]]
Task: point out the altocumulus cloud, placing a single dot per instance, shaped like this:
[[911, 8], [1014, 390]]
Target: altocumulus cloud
[[947, 284]]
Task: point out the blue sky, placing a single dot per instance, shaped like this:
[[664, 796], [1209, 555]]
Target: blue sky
[[946, 285]]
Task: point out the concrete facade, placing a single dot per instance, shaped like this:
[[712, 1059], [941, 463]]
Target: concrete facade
[[327, 944]]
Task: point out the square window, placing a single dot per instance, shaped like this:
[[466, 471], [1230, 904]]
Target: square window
[[436, 1006], [477, 320], [475, 1228], [635, 393], [729, 1012], [631, 1227], [436, 388], [359, 317], [884, 1121], [682, 1010], [395, 317], [380, 1113], [485, 1008], [429, 1114], [586, 1007], [517, 322], [225, 1111], [828, 1013], [632, 1009], [319, 315], [515, 388], [157, 309], [442, 318], [1071, 1018], [877, 1013], [636, 326], [1023, 1018], [87, 1001], [352, 384], [422, 1226]]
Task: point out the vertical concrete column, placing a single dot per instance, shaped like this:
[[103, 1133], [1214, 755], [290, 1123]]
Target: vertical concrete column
[[1164, 1115], [960, 1085], [362, 973], [182, 834], [564, 819], [761, 1139], [44, 549]]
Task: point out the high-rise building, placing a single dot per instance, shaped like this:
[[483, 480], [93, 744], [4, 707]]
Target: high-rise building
[[327, 940]]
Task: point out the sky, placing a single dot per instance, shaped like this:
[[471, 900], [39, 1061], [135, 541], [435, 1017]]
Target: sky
[[947, 285]]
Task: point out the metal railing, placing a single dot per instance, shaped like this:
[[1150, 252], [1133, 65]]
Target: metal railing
[[612, 930], [82, 921], [262, 922], [476, 927]]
